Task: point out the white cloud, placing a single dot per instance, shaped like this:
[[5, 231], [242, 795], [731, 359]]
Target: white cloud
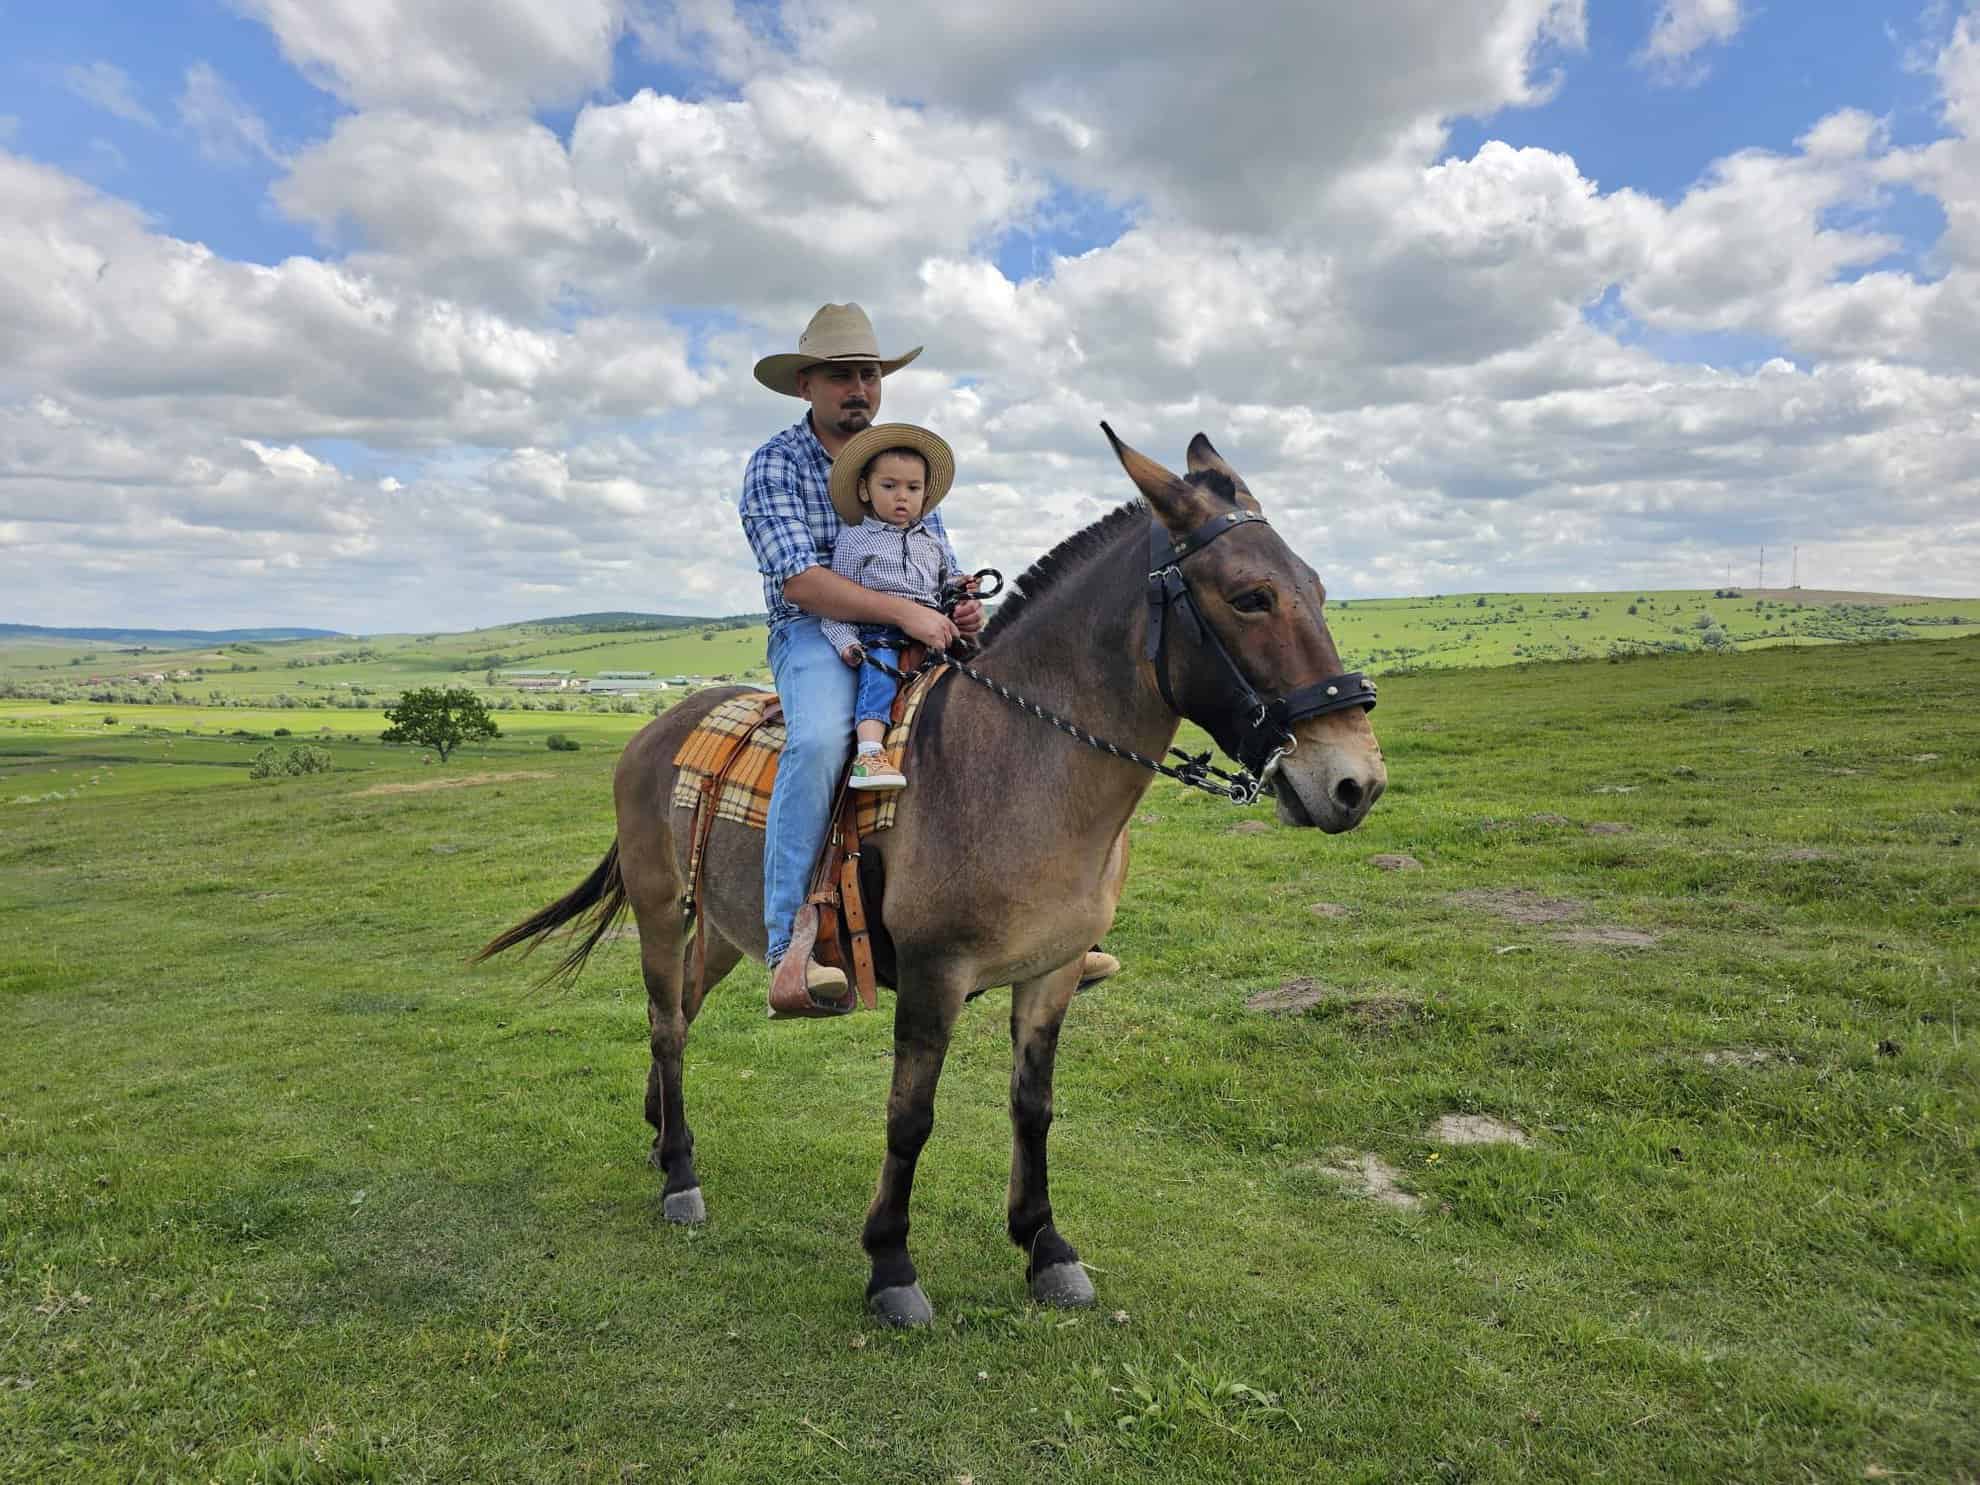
[[746, 204], [1425, 367], [301, 349], [229, 132], [110, 88], [1242, 120], [474, 57], [1685, 27]]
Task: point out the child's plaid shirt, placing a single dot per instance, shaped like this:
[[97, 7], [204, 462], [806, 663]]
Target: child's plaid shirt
[[907, 561]]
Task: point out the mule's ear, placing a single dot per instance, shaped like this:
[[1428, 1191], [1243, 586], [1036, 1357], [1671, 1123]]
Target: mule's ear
[[1202, 456], [1179, 505]]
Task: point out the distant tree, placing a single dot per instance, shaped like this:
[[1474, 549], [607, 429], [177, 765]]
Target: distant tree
[[439, 719], [1479, 602]]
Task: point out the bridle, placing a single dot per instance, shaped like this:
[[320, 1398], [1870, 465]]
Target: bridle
[[1255, 730]]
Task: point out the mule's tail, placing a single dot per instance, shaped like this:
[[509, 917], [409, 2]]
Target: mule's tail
[[600, 896]]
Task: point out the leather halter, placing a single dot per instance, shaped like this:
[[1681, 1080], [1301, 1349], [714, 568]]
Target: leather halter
[[1253, 729]]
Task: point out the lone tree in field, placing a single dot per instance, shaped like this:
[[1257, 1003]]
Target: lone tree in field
[[440, 720]]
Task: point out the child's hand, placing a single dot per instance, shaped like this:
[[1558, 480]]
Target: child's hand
[[853, 655]]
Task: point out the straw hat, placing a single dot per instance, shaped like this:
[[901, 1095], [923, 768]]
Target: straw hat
[[838, 332], [864, 446]]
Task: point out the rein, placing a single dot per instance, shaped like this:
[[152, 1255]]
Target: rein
[[1264, 734]]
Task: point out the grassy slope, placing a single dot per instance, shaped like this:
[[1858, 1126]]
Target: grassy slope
[[1381, 635], [285, 1192]]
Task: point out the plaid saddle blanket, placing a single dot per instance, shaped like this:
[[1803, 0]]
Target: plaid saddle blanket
[[736, 735]]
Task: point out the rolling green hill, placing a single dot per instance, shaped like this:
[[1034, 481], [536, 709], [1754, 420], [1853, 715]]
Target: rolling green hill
[[1384, 636]]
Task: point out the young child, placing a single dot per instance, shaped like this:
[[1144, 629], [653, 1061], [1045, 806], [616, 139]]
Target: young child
[[884, 481]]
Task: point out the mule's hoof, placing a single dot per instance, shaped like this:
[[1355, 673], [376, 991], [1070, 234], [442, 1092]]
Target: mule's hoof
[[904, 1307], [685, 1207], [1063, 1285]]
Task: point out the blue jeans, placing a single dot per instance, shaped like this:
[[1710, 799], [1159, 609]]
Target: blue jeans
[[875, 702], [817, 689]]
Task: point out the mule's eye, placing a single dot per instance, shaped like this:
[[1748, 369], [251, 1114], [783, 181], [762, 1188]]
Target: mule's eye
[[1257, 601]]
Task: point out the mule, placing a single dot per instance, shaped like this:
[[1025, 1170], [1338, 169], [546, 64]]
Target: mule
[[1227, 632]]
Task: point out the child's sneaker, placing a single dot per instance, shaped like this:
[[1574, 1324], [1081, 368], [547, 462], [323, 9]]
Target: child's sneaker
[[875, 771]]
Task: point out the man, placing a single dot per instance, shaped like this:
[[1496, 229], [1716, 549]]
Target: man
[[788, 517]]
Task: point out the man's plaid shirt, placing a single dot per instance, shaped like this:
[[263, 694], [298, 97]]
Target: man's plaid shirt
[[787, 515]]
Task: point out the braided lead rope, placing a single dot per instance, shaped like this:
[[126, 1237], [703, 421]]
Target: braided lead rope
[[1242, 788]]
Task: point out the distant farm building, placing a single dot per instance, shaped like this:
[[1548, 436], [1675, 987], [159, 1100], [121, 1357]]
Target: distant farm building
[[622, 685], [625, 675]]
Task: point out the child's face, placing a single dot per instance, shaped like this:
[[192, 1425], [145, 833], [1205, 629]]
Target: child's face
[[895, 488]]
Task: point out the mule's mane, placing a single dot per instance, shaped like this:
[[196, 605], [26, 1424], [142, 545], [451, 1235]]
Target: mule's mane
[[1050, 570]]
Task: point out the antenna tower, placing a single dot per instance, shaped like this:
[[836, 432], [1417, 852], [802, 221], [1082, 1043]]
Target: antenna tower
[[1762, 584]]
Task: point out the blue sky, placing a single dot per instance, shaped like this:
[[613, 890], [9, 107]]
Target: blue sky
[[1623, 123], [472, 351]]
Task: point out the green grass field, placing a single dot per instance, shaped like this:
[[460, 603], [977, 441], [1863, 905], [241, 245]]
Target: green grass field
[[288, 1193]]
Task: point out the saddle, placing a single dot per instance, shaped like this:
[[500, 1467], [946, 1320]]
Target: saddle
[[726, 768]]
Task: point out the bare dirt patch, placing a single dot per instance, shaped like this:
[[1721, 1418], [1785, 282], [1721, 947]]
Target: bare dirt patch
[[1805, 853], [1249, 827], [1607, 937], [1366, 1175], [1518, 904], [1394, 861], [1548, 817], [1476, 1129], [465, 781], [1743, 1057], [1291, 998], [1330, 910], [1608, 827], [1384, 1012]]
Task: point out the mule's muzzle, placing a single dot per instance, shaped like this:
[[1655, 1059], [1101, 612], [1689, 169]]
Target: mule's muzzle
[[1333, 797]]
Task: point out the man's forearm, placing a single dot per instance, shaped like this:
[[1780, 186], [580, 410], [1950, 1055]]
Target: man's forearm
[[821, 591]]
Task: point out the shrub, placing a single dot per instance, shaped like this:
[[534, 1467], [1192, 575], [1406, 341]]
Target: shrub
[[269, 763], [109, 721], [558, 743], [282, 732]]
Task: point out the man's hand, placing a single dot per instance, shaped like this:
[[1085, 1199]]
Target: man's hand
[[853, 655], [928, 625], [969, 616]]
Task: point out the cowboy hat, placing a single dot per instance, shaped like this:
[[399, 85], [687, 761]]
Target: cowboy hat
[[838, 332], [869, 444]]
